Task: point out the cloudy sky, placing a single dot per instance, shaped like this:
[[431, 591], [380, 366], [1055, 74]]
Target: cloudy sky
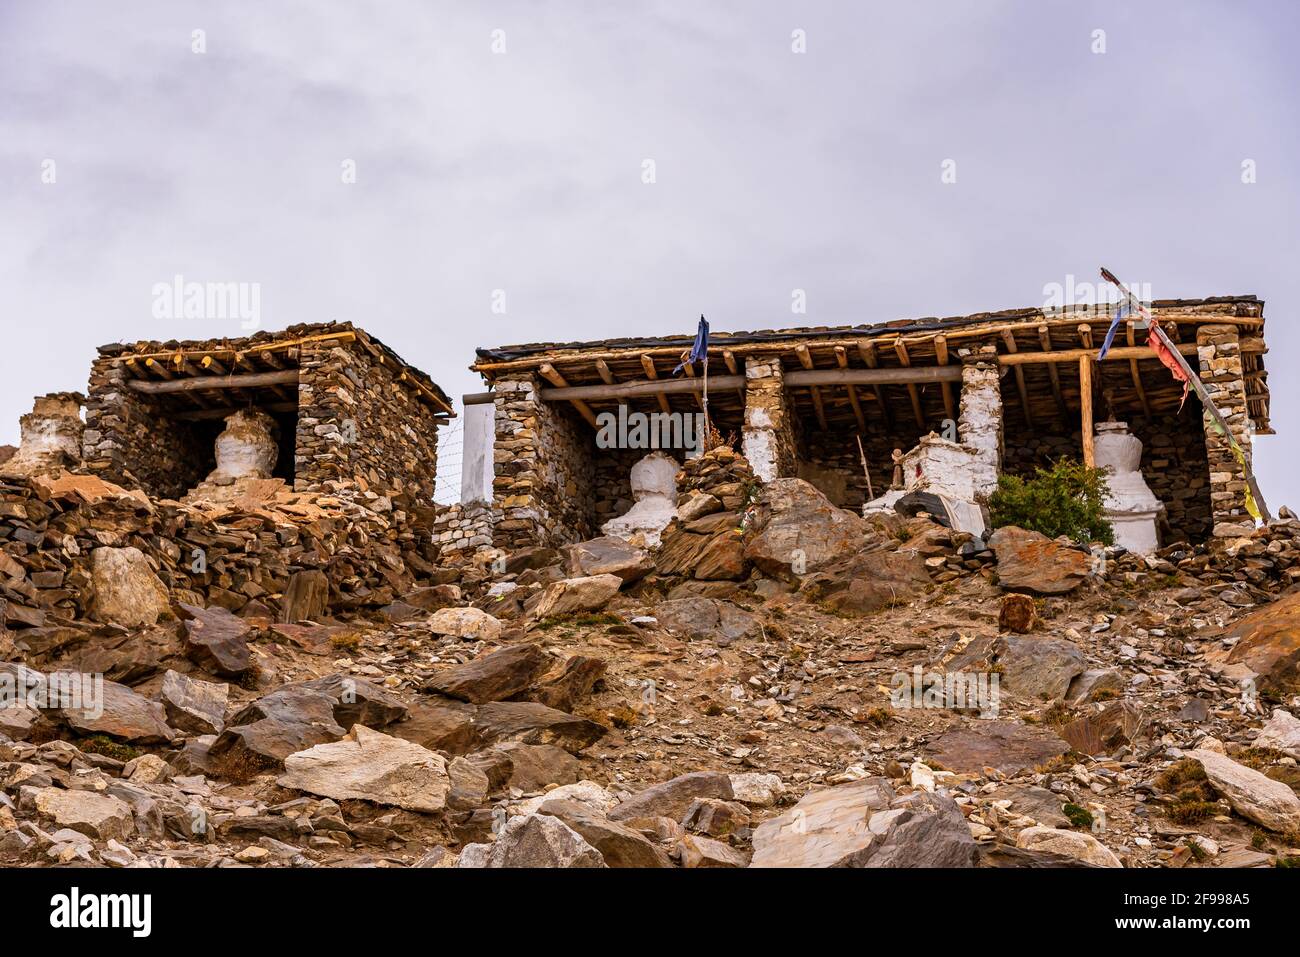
[[505, 148]]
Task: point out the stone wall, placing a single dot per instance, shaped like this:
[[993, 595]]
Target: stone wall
[[129, 440], [357, 422], [1218, 352], [463, 530], [544, 458]]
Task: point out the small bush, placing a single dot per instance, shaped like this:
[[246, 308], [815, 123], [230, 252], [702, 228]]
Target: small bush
[[1066, 499], [1077, 816]]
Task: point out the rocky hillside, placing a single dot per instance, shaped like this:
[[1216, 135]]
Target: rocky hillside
[[780, 683]]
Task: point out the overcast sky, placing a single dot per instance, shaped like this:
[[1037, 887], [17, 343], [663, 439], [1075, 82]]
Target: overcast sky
[[502, 146]]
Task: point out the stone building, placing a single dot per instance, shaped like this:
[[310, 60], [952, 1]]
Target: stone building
[[969, 396], [339, 404]]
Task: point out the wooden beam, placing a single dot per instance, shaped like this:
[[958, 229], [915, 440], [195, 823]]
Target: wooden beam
[[941, 353], [648, 367], [867, 349], [733, 367], [214, 383], [805, 360], [1085, 334], [1010, 341], [222, 412], [607, 376], [1073, 355], [550, 375], [913, 375], [900, 350], [1045, 340], [1085, 411], [689, 369], [659, 387], [842, 360]]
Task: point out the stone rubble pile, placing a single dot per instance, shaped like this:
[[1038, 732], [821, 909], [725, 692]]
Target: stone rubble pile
[[780, 683]]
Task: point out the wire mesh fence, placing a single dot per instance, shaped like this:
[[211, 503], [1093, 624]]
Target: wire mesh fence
[[451, 441]]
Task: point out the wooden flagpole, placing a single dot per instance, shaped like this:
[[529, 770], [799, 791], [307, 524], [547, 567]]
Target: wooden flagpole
[[1201, 392]]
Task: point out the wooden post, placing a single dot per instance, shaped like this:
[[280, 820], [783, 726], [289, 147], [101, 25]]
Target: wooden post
[[1085, 411]]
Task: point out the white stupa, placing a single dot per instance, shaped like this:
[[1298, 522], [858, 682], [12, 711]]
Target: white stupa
[[1131, 507]]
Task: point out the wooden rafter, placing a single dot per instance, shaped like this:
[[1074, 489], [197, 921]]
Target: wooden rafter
[[941, 355], [1045, 340], [900, 350], [550, 375], [867, 349], [1010, 341], [729, 357], [842, 360], [805, 360], [648, 366], [1133, 371]]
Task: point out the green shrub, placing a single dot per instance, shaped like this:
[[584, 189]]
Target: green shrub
[[1066, 499]]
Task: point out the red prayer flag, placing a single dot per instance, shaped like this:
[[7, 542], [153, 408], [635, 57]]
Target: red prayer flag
[[1167, 359]]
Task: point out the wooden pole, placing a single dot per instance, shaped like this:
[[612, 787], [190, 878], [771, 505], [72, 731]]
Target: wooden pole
[[215, 382], [1085, 411], [865, 471]]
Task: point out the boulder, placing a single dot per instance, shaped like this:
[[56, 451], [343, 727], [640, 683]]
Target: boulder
[[1095, 684], [196, 707], [620, 846], [492, 677], [696, 851], [370, 766], [1031, 668], [710, 548], [1017, 613], [1120, 724], [217, 641], [920, 830], [439, 724], [870, 581], [705, 618], [99, 816], [607, 556], [573, 683], [826, 828], [756, 789], [469, 785], [120, 713], [472, 624], [1254, 796], [356, 700], [124, 589], [1281, 732], [541, 840], [572, 595], [1032, 562], [529, 767], [532, 723], [306, 597], [1268, 643], [672, 798], [1076, 844], [279, 724], [1007, 746], [796, 527]]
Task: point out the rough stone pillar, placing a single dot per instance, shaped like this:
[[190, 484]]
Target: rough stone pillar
[[516, 463], [50, 435], [980, 422], [768, 437], [1219, 355]]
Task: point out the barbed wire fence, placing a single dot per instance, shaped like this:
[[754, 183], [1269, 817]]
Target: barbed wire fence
[[451, 444]]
